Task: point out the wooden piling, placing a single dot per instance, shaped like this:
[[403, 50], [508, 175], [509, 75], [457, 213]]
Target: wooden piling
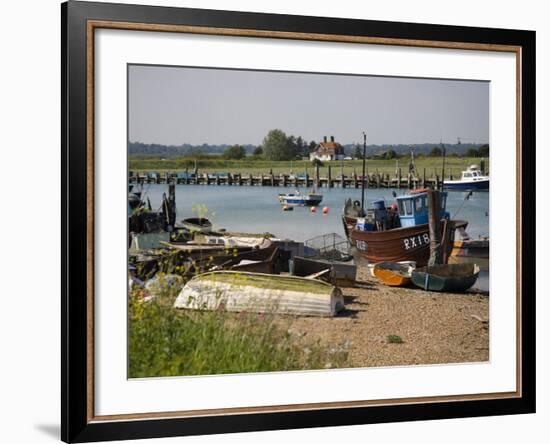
[[317, 183], [434, 227], [398, 178], [172, 205], [424, 178]]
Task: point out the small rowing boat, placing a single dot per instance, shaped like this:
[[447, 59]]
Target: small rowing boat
[[260, 293], [197, 224], [449, 277], [394, 274]]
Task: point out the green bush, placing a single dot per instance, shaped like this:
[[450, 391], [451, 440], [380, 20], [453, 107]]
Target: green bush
[[394, 339]]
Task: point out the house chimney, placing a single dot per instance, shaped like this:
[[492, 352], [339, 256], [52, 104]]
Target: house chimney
[[332, 138], [325, 139]]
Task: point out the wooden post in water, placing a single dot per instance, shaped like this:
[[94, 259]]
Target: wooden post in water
[[398, 178], [424, 178], [434, 199], [317, 183], [172, 205], [329, 177]]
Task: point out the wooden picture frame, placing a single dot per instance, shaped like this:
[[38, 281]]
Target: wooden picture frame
[[79, 22]]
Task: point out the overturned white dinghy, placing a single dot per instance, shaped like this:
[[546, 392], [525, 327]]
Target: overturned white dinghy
[[260, 293]]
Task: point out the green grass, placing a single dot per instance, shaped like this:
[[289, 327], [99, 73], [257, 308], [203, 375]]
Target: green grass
[[432, 165], [164, 341], [394, 339], [275, 283]]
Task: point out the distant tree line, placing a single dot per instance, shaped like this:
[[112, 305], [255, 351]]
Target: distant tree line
[[482, 151], [277, 145]]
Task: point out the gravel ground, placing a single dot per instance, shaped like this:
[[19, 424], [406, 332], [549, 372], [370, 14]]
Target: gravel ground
[[434, 327]]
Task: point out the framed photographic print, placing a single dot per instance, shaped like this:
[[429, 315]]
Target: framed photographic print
[[275, 221]]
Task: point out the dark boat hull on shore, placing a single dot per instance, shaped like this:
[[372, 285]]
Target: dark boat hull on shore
[[339, 273], [198, 224], [450, 277], [397, 245]]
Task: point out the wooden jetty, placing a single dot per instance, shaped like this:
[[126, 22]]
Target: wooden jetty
[[372, 180]]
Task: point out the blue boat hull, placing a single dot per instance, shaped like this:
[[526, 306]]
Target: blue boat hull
[[301, 200], [479, 185]]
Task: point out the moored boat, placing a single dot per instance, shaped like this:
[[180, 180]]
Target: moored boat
[[301, 199], [401, 232], [448, 277], [260, 293], [471, 180], [394, 274]]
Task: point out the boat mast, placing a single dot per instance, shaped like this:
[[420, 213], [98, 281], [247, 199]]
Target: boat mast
[[363, 177], [443, 167]]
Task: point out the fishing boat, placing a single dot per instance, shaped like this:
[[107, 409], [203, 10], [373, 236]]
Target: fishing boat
[[239, 291], [448, 277], [401, 232], [394, 274], [197, 224], [301, 199], [472, 180]]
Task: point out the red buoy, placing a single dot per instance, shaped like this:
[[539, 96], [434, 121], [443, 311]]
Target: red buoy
[[325, 210], [313, 210]]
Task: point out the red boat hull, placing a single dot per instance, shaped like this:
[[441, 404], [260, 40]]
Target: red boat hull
[[399, 244]]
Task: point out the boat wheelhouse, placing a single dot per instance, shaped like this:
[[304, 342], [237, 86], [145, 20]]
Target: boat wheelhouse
[[472, 180], [413, 208]]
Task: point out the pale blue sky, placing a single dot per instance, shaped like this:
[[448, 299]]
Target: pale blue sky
[[176, 105]]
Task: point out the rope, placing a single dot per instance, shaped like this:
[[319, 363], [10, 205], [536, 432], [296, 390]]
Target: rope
[[467, 197]]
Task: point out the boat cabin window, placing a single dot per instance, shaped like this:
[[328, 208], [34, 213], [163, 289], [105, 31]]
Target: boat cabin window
[[405, 207], [418, 205], [466, 174]]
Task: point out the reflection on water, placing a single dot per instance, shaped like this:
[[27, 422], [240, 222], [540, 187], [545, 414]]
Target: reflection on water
[[257, 209]]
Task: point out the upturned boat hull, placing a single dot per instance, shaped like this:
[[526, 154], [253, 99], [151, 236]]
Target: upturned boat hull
[[397, 245], [450, 278], [260, 293]]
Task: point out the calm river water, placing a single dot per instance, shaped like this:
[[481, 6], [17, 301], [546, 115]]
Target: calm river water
[[257, 210]]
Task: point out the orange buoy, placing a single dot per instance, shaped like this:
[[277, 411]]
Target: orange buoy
[[325, 210], [313, 210]]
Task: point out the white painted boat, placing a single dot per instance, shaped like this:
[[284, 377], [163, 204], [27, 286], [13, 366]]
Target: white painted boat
[[232, 241], [301, 199], [472, 180], [260, 293]]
